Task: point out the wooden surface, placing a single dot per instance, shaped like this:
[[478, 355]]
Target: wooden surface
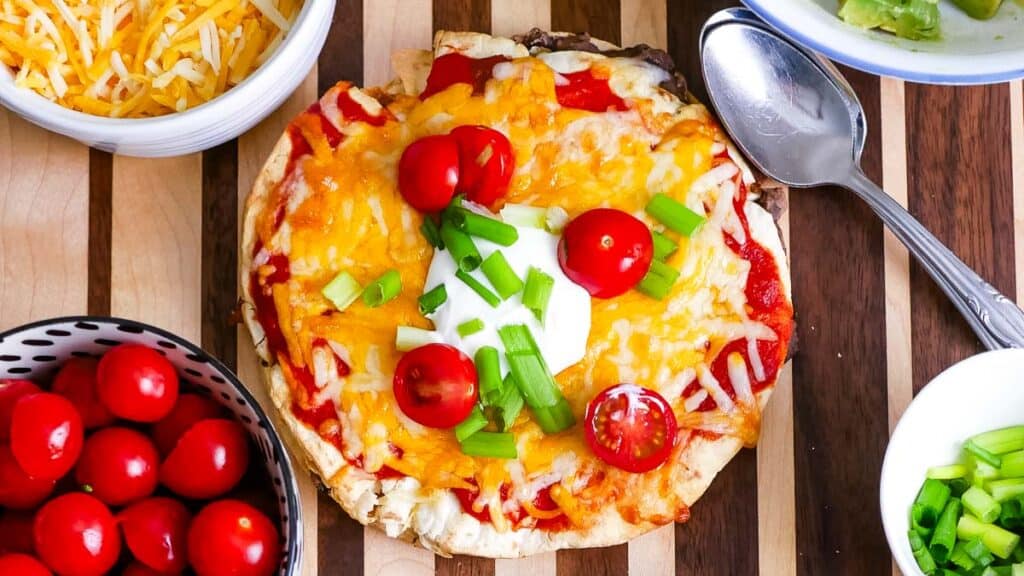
[[157, 240]]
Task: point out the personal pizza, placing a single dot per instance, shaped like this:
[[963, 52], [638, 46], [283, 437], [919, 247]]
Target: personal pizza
[[525, 297]]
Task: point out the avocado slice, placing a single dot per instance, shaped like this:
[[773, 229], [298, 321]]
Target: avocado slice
[[912, 19], [979, 9]]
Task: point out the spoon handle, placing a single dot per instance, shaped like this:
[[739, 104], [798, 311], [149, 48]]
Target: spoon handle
[[997, 321]]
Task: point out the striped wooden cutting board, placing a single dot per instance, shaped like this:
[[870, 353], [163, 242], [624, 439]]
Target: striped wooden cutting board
[[156, 240]]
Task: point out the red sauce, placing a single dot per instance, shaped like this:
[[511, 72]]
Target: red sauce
[[456, 68], [334, 137], [300, 147], [342, 366], [587, 92], [353, 111], [263, 301]]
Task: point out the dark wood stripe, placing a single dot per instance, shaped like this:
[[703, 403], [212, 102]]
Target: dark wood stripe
[[220, 252], [101, 169], [839, 376], [960, 186], [339, 537]]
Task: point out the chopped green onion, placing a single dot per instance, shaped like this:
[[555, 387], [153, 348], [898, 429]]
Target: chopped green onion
[[508, 405], [481, 226], [930, 501], [409, 337], [982, 472], [978, 502], [537, 292], [504, 279], [998, 540], [674, 214], [523, 215], [1011, 514], [432, 232], [488, 369], [969, 527], [470, 327], [518, 339], [924, 559], [915, 522], [958, 486], [944, 536], [961, 558], [1003, 490], [659, 280], [1017, 569], [342, 291], [383, 289], [475, 422], [1012, 465], [555, 219], [461, 247], [976, 551], [534, 379], [432, 299], [663, 246], [982, 454], [479, 288], [490, 445], [1001, 441], [947, 472], [554, 419]]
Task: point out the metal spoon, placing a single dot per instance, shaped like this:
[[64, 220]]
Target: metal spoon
[[797, 119]]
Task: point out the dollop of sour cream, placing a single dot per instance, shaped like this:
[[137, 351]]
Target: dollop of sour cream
[[562, 338]]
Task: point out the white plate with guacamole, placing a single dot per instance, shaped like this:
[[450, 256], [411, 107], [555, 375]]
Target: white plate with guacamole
[[965, 50]]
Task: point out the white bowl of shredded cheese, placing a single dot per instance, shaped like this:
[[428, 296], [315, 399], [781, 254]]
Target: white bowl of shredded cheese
[[200, 114]]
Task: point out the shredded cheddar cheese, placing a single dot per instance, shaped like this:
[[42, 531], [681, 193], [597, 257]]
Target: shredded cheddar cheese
[[138, 58]]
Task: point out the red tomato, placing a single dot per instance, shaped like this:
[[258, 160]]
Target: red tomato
[[137, 383], [140, 569], [606, 251], [22, 565], [428, 173], [46, 435], [231, 537], [10, 391], [191, 408], [485, 163], [208, 461], [18, 490], [436, 385], [630, 427], [16, 532], [76, 381], [76, 535], [156, 531], [119, 465]]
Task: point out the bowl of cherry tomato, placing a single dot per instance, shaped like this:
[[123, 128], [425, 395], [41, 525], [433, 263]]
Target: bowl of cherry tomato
[[126, 449]]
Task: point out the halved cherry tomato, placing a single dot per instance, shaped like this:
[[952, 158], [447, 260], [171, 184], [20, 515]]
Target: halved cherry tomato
[[631, 427], [191, 408], [231, 537], [119, 465], [22, 565], [428, 173], [137, 383], [16, 532], [605, 251], [76, 381], [46, 435], [156, 532], [18, 490], [10, 392], [436, 385], [76, 535], [208, 460], [485, 163]]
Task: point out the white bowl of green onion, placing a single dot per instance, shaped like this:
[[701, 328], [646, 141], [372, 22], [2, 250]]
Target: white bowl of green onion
[[952, 487]]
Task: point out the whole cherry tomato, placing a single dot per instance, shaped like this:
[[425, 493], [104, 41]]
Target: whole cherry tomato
[[76, 381], [231, 537], [156, 532], [16, 532], [208, 460], [436, 385], [605, 251], [119, 465], [191, 408], [485, 163], [137, 383], [10, 392], [631, 427], [18, 490], [76, 535], [46, 435], [428, 173], [22, 565]]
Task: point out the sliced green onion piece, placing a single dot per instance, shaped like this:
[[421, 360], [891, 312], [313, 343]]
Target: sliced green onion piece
[[475, 422], [383, 289], [1017, 569], [490, 445], [958, 486], [504, 279], [663, 246], [944, 536], [969, 527], [998, 540], [523, 215], [659, 280], [961, 558], [1001, 441], [554, 419], [488, 369], [409, 337], [982, 454], [915, 525], [1003, 490], [508, 404], [976, 551], [924, 559], [432, 299], [930, 501], [555, 219], [1012, 465], [461, 247], [482, 227], [432, 232], [470, 327], [534, 379], [674, 214], [537, 292], [947, 472], [1011, 514], [479, 288], [978, 502], [342, 291]]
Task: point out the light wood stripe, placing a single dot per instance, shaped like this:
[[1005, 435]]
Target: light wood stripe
[[510, 17], [44, 221], [1017, 154]]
